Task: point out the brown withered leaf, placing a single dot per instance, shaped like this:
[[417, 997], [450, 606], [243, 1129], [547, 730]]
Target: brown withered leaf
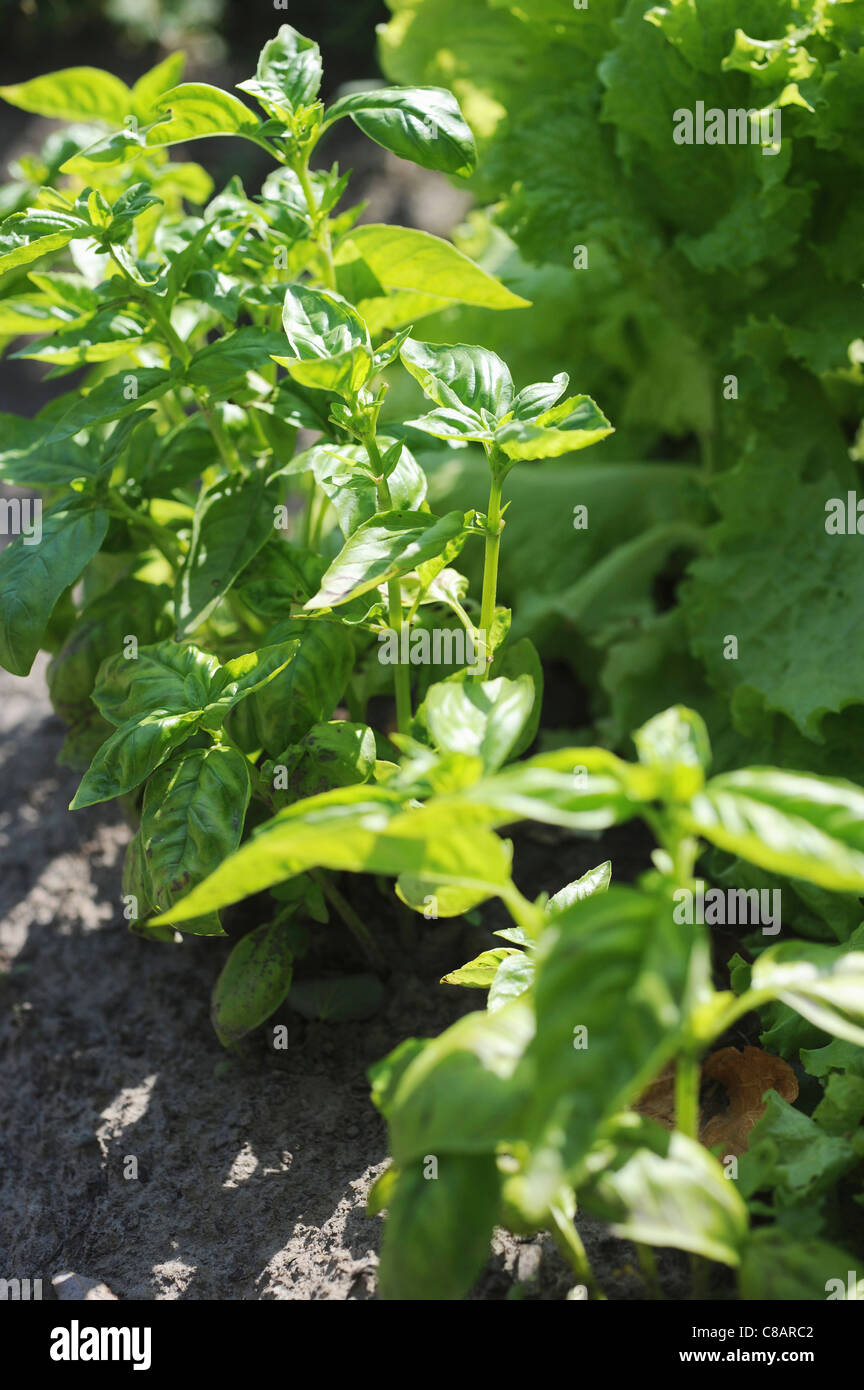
[[731, 1101], [745, 1077], [658, 1102]]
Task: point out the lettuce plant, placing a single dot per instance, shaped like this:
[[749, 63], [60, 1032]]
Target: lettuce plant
[[710, 297]]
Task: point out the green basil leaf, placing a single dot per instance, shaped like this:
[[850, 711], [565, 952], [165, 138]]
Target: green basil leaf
[[320, 323], [521, 658], [446, 423], [132, 752], [224, 364], [25, 462], [192, 819], [824, 984], [73, 94], [575, 424], [580, 788], [598, 962], [280, 576], [247, 675], [308, 691], [595, 881], [289, 71], [335, 754], [38, 315], [163, 676], [233, 521], [480, 972], [25, 236], [111, 399], [439, 1227], [106, 335], [389, 545], [513, 978], [32, 578], [198, 111], [676, 744], [358, 829], [679, 1198], [788, 822], [460, 377], [481, 720], [158, 80], [342, 374], [463, 1093], [328, 339], [540, 397], [253, 983], [421, 274], [423, 124], [96, 637]]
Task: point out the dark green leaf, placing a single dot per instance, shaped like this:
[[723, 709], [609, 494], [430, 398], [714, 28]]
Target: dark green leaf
[[33, 576], [253, 983]]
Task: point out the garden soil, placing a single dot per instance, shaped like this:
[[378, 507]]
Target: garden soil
[[252, 1169]]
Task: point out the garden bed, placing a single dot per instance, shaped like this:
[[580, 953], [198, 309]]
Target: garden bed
[[253, 1171]]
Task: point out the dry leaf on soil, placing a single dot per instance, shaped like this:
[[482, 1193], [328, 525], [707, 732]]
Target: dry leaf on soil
[[744, 1077]]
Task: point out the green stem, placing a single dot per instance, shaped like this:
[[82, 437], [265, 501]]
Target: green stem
[[401, 674], [355, 924], [321, 227], [687, 1078], [318, 525], [166, 328], [306, 527], [166, 541], [648, 1265], [495, 525], [569, 1242], [227, 452], [182, 351]]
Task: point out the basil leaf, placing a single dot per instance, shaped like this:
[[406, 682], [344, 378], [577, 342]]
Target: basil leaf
[[575, 424], [192, 819], [32, 578], [73, 94], [437, 1234], [480, 972], [163, 676], [420, 273], [460, 377], [423, 124], [289, 72], [787, 822], [359, 829], [309, 690], [594, 881], [132, 752], [253, 983], [198, 111], [233, 521], [389, 545], [481, 720], [224, 364]]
